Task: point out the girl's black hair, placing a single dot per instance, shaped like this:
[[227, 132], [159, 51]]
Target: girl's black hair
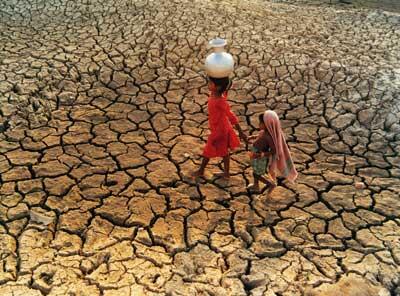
[[222, 84]]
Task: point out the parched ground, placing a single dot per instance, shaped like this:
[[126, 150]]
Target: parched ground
[[103, 115]]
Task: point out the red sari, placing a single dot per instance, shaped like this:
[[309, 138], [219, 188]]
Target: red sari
[[220, 120]]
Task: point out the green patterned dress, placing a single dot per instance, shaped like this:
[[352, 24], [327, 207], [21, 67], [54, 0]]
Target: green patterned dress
[[259, 165]]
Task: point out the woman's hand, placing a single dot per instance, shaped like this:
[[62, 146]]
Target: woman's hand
[[244, 137]]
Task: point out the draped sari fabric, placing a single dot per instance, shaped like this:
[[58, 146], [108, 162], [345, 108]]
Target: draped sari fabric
[[281, 163]]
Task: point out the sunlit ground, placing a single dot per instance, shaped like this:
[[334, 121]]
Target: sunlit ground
[[103, 117]]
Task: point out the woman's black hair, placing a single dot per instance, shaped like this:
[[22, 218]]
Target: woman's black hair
[[222, 84]]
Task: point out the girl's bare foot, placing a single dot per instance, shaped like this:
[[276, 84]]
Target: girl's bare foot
[[222, 175], [271, 187], [253, 188]]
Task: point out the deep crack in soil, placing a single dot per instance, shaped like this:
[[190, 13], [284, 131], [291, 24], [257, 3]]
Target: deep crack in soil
[[103, 116]]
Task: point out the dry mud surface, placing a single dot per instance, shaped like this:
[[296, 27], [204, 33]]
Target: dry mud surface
[[103, 115], [387, 5]]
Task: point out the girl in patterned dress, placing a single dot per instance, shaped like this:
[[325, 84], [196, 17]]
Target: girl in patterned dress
[[270, 154]]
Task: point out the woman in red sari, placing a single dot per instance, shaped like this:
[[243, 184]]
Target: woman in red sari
[[221, 121]]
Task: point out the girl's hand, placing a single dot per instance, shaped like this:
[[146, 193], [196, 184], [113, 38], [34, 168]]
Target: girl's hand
[[262, 154], [250, 139], [257, 155], [267, 154]]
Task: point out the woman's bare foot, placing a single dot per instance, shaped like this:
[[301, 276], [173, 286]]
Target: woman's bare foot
[[198, 174]]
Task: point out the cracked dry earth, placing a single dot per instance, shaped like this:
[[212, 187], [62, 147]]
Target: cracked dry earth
[[103, 115]]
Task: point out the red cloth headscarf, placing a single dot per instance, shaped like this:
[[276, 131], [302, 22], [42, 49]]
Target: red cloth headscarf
[[281, 164]]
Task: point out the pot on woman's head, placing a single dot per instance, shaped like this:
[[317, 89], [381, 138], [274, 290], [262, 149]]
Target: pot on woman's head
[[219, 64]]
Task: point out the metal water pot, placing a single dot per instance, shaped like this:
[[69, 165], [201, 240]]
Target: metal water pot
[[219, 64]]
